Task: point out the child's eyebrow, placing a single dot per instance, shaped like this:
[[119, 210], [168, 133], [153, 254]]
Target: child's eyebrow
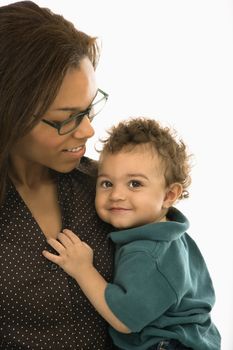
[[128, 175], [102, 175], [138, 175]]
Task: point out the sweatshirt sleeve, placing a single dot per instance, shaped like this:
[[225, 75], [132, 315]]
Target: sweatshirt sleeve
[[140, 293]]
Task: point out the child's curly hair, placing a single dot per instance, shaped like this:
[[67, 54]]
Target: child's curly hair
[[136, 131]]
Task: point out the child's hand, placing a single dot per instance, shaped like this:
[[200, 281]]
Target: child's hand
[[74, 256]]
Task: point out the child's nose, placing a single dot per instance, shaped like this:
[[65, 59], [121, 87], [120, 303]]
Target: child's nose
[[117, 193]]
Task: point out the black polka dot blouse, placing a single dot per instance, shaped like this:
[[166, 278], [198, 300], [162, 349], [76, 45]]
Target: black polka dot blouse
[[41, 307]]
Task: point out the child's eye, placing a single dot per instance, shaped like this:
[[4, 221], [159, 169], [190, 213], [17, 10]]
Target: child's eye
[[135, 184], [105, 184]]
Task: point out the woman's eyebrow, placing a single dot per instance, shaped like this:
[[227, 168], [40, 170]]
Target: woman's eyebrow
[[75, 109], [68, 109]]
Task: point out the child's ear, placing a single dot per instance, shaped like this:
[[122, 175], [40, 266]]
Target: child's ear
[[172, 194]]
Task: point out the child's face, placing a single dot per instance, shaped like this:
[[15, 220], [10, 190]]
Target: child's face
[[131, 188]]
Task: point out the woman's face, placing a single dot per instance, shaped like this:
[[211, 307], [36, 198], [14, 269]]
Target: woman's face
[[42, 145]]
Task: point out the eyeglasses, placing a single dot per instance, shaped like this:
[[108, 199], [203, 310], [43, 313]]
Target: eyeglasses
[[74, 120]]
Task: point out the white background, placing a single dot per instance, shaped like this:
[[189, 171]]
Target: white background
[[172, 60]]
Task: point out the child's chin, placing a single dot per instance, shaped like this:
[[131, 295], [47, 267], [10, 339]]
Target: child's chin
[[121, 226]]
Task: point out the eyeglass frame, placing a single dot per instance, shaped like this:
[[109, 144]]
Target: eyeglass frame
[[80, 115]]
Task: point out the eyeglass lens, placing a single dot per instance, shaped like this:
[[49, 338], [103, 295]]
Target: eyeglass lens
[[95, 108]]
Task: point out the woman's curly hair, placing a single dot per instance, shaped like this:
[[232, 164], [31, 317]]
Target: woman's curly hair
[[135, 131]]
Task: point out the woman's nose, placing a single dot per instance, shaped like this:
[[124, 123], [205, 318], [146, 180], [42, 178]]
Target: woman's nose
[[84, 130]]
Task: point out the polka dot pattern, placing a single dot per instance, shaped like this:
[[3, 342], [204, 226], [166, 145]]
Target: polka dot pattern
[[41, 307]]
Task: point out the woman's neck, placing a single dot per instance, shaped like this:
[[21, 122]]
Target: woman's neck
[[28, 174]]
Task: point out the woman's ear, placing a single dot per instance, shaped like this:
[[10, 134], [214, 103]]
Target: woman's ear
[[172, 194]]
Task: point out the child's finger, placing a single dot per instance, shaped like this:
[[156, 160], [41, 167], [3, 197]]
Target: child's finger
[[52, 257], [87, 246], [56, 245], [72, 236], [64, 239]]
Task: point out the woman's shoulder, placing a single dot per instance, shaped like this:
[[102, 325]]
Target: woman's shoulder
[[82, 178], [88, 166], [80, 181]]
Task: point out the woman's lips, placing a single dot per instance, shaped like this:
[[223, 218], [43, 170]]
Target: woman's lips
[[74, 149], [75, 152]]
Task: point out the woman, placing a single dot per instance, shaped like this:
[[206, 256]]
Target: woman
[[48, 97]]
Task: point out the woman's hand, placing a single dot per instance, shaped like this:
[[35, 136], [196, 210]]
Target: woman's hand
[[75, 256]]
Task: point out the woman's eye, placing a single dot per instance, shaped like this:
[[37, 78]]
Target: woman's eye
[[55, 121], [68, 119], [134, 184], [106, 184]]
